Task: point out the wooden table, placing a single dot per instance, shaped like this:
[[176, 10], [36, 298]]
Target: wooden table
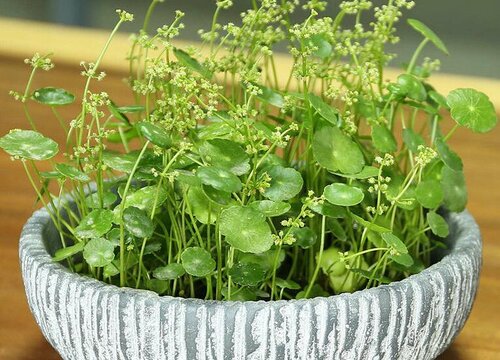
[[20, 338]]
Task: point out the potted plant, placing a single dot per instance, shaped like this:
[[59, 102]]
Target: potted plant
[[234, 213]]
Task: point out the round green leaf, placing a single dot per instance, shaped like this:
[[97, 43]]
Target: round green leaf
[[93, 202], [330, 262], [329, 210], [247, 274], [305, 237], [270, 96], [383, 139], [429, 194], [137, 222], [428, 34], [197, 261], [217, 196], [99, 252], [53, 96], [72, 173], [412, 139], [97, 223], [369, 225], [438, 224], [437, 99], [145, 198], [271, 208], [472, 109], [169, 272], [29, 144], [454, 189], [343, 195], [327, 112], [412, 87], [285, 183], [219, 178], [449, 157], [155, 134], [394, 242], [324, 48], [335, 151], [245, 229], [225, 154], [204, 211], [68, 251]]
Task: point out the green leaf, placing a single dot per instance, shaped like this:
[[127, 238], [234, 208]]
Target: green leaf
[[437, 99], [438, 224], [330, 262], [305, 237], [343, 195], [369, 275], [454, 188], [117, 114], [449, 157], [287, 284], [169, 272], [245, 229], [383, 139], [329, 210], [204, 211], [99, 252], [429, 194], [367, 172], [185, 59], [217, 196], [225, 154], [197, 261], [394, 242], [72, 173], [126, 135], [247, 274], [369, 225], [155, 134], [412, 87], [68, 251], [29, 144], [412, 139], [95, 224], [403, 259], [92, 201], [144, 198], [219, 178], [472, 109], [335, 151], [53, 96], [428, 34], [285, 183], [271, 208], [118, 161], [137, 222], [270, 96], [324, 47], [327, 112]]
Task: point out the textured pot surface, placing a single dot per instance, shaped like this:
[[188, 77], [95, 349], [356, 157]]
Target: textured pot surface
[[416, 318]]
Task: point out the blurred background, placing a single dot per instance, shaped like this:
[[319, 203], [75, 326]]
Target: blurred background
[[470, 29]]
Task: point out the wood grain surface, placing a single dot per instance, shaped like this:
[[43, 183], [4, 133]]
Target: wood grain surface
[[20, 338]]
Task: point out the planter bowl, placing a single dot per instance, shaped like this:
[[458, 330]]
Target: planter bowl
[[416, 318]]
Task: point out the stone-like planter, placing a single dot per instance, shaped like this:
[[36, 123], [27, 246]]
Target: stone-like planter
[[416, 318]]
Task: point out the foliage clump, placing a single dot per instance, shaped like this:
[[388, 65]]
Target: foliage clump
[[227, 180]]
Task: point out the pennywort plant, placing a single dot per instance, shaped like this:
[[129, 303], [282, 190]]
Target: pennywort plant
[[233, 178]]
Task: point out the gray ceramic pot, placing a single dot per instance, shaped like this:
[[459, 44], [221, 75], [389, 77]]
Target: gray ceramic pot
[[416, 318]]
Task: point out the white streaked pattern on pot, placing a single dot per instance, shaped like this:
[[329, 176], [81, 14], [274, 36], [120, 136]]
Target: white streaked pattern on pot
[[416, 318]]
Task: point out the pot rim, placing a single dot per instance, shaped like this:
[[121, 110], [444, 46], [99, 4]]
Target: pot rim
[[464, 241]]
